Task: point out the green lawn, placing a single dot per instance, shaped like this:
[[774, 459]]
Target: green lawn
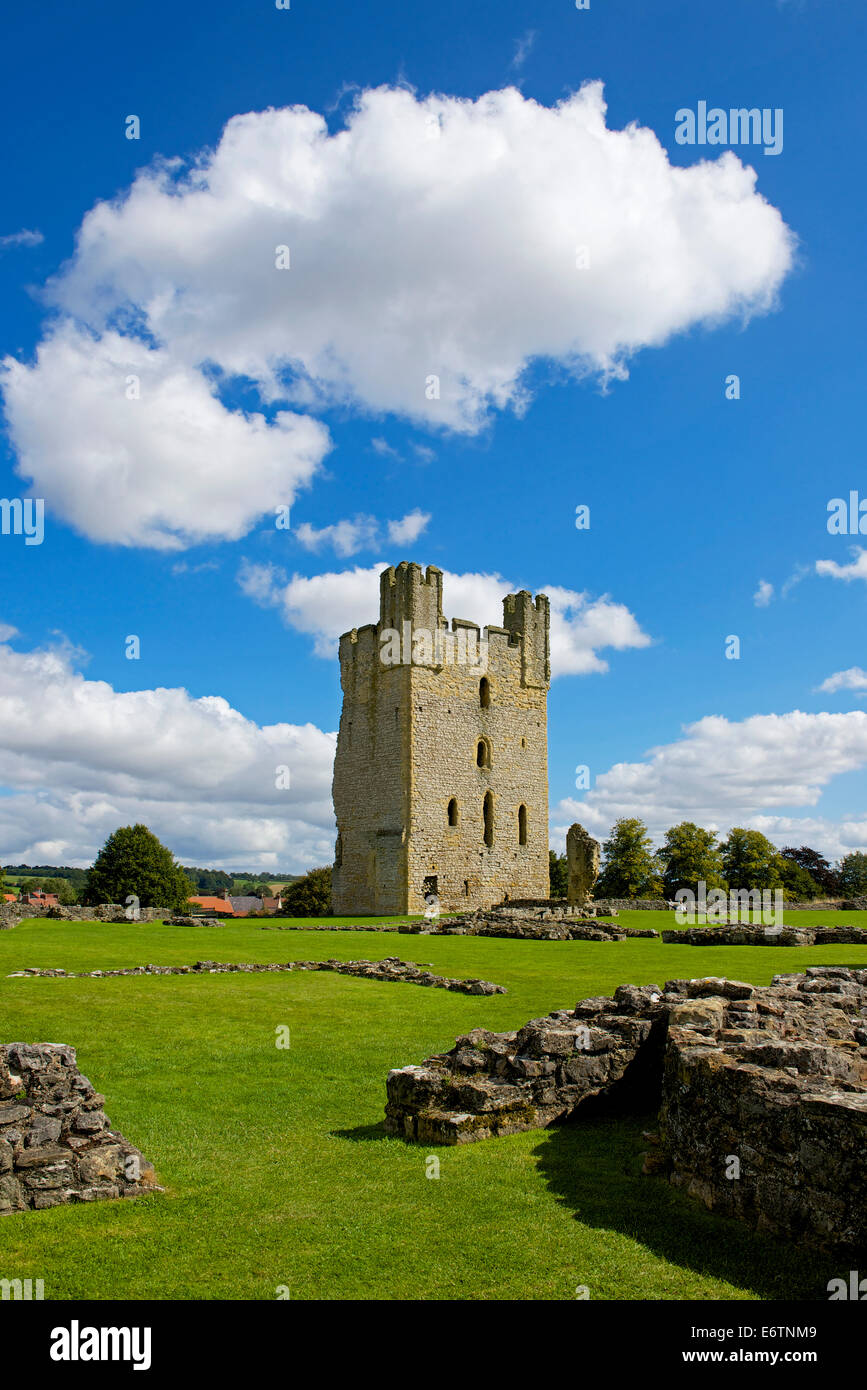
[[276, 1166]]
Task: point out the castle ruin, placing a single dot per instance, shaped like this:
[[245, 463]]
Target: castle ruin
[[441, 772]]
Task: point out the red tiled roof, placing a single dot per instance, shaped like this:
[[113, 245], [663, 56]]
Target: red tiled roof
[[211, 904]]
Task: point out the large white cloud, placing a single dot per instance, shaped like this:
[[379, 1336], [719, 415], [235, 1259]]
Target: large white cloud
[[326, 605], [724, 773], [201, 775], [431, 237], [133, 447]]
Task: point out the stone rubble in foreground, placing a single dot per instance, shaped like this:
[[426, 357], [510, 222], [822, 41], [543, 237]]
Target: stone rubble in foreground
[[56, 1143], [774, 1077]]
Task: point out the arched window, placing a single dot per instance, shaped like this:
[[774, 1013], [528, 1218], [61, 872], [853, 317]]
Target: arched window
[[522, 825], [453, 811], [484, 693], [488, 816], [483, 753]]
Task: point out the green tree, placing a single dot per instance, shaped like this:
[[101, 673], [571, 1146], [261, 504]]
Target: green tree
[[798, 886], [558, 874], [132, 861], [629, 869], [853, 875], [750, 860], [817, 867], [687, 855], [62, 890], [310, 896]]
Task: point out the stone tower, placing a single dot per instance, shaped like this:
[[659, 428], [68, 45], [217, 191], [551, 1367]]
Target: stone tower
[[441, 772]]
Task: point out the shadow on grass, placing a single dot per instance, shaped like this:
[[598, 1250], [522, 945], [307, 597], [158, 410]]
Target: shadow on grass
[[593, 1166], [363, 1134]]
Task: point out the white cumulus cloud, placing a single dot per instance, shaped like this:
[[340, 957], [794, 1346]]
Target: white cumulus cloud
[[432, 260], [856, 569], [852, 679], [200, 774], [724, 773]]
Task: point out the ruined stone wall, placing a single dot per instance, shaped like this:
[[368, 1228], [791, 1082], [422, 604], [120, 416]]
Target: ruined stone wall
[[13, 913], [407, 747], [56, 1144], [763, 1091]]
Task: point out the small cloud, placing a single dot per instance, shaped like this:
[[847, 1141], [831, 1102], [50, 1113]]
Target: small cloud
[[409, 528], [523, 48], [800, 572], [345, 537], [22, 238], [183, 568], [261, 583], [856, 570], [764, 593], [383, 448], [853, 679], [424, 453], [7, 632]]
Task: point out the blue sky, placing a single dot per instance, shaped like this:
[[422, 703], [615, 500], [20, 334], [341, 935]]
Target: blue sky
[[695, 499]]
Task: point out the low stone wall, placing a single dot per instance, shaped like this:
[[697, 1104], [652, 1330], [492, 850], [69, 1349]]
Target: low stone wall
[[311, 924], [56, 1144], [515, 924], [13, 913], [766, 936], [774, 1077], [391, 969]]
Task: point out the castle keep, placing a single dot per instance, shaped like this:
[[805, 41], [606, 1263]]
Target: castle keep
[[441, 771]]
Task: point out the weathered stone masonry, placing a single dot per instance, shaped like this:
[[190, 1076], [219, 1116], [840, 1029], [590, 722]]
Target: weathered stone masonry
[[774, 1077], [424, 747], [56, 1144]]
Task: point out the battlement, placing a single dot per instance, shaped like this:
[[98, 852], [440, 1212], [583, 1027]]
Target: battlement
[[411, 604]]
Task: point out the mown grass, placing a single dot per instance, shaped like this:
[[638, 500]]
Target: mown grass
[[277, 1169]]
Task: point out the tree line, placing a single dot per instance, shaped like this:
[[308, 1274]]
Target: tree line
[[632, 868]]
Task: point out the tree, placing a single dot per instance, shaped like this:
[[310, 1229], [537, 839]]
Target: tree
[[629, 870], [62, 889], [132, 861], [310, 896], [558, 874], [750, 860], [798, 886], [817, 866], [687, 855], [853, 875]]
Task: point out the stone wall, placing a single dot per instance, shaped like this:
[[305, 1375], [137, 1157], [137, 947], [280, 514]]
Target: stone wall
[[526, 924], [407, 747], [391, 970], [13, 913], [56, 1144], [763, 1091], [766, 936]]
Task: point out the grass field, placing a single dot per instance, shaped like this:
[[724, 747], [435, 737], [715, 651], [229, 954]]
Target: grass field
[[276, 1167]]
